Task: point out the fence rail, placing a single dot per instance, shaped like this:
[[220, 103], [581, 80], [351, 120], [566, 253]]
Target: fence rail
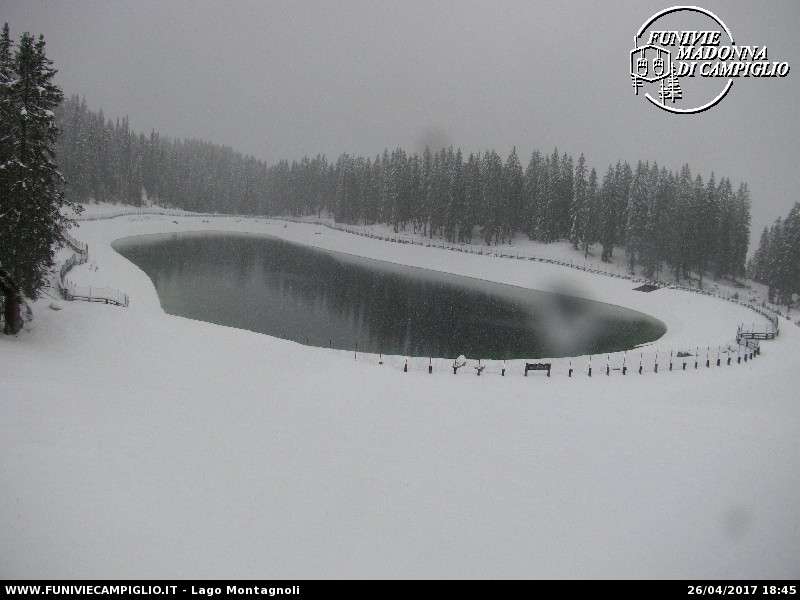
[[627, 363], [87, 293], [139, 211]]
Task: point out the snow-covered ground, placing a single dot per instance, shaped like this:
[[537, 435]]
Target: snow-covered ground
[[138, 444]]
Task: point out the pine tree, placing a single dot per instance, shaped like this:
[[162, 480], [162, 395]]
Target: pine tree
[[492, 195], [695, 229], [623, 175], [473, 195], [7, 117], [546, 200], [607, 214], [415, 190], [741, 230], [592, 211], [679, 226], [514, 186], [552, 216], [791, 256], [579, 210], [566, 193], [637, 214], [31, 218], [707, 225], [657, 243], [776, 263], [531, 198]]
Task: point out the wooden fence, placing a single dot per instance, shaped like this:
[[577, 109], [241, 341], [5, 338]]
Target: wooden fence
[[87, 293]]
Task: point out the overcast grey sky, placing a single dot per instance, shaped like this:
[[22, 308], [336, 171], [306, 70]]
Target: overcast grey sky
[[285, 79]]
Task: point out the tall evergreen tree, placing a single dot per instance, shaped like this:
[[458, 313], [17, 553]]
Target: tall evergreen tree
[[473, 196], [636, 229], [706, 224], [514, 184], [776, 262], [566, 191], [553, 217], [607, 224], [531, 198], [741, 230], [31, 218], [492, 196], [592, 212], [579, 210], [623, 176]]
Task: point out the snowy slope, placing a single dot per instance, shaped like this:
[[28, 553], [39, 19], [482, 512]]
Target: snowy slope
[[138, 444]]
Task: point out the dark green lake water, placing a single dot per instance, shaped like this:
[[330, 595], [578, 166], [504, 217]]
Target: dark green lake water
[[326, 298]]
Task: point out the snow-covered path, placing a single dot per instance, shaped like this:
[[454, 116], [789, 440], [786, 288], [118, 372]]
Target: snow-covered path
[[138, 444]]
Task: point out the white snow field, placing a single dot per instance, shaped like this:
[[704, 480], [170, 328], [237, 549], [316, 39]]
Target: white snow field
[[139, 444]]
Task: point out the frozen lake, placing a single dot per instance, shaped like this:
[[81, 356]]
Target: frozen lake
[[323, 298]]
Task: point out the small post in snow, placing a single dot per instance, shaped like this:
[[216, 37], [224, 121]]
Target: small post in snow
[[625, 363], [590, 365], [405, 367]]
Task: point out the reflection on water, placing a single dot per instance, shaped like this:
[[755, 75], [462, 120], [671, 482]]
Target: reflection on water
[[318, 297]]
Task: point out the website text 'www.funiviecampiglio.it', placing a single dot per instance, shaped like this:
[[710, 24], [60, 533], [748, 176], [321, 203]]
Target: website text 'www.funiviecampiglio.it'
[[146, 590]]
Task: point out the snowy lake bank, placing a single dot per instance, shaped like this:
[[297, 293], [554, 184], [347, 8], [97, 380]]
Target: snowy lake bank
[[710, 322], [140, 444]]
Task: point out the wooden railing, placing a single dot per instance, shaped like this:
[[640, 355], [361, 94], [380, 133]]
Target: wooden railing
[[87, 293]]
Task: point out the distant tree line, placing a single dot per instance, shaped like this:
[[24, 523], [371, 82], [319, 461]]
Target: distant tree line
[[664, 220], [776, 262]]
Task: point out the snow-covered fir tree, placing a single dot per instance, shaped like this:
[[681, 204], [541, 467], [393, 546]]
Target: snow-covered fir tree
[[776, 262], [31, 218], [579, 210], [606, 216]]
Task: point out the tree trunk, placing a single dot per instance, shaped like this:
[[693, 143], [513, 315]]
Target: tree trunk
[[12, 304], [11, 315]]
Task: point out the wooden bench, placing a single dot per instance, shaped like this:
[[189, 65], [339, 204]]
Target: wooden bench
[[538, 367]]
